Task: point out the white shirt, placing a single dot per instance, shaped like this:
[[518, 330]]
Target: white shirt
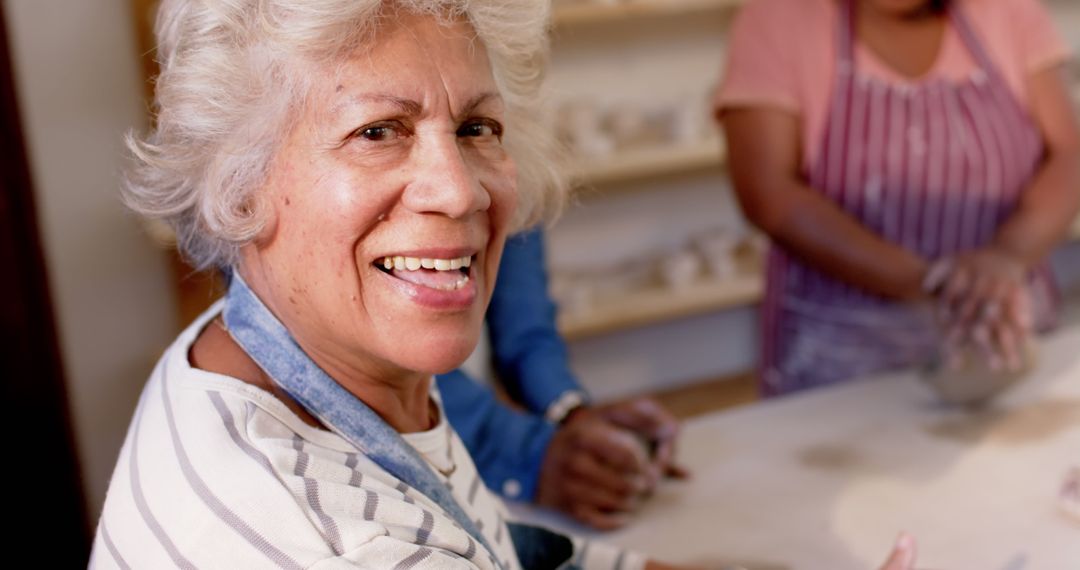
[[217, 473]]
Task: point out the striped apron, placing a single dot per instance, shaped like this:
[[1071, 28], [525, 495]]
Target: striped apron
[[934, 167]]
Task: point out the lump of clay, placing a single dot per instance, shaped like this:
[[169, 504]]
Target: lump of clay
[[970, 381]]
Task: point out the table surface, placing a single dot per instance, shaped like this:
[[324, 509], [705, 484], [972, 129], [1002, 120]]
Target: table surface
[[826, 479]]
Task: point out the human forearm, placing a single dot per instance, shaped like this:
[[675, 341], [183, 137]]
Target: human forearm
[[815, 229], [1047, 209], [765, 165]]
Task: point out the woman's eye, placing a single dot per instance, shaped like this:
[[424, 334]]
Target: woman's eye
[[379, 133], [485, 128]]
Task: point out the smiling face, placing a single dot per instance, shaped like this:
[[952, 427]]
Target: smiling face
[[390, 199]]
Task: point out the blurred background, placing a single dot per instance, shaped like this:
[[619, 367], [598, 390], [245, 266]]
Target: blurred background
[[656, 274]]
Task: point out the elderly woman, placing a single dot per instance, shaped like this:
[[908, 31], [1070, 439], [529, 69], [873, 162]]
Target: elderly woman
[[355, 165], [350, 162]]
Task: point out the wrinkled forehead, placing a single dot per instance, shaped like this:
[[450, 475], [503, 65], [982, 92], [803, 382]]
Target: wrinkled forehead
[[411, 56]]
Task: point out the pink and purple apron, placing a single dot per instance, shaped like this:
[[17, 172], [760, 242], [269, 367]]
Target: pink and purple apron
[[935, 167]]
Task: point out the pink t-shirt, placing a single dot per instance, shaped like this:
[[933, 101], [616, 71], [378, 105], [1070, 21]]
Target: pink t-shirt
[[782, 53]]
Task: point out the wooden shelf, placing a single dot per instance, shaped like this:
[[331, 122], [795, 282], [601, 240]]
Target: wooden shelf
[[585, 12], [650, 306], [647, 162]]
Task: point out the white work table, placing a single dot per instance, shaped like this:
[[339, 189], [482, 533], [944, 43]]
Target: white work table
[[826, 479]]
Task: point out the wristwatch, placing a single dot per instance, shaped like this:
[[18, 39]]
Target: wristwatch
[[567, 402]]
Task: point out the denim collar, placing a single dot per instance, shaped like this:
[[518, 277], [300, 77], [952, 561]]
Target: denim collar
[[270, 345]]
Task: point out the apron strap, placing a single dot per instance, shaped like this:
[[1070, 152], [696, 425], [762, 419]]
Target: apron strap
[[971, 42]]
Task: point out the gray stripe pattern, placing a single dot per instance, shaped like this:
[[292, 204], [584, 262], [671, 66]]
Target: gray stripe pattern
[[311, 493], [579, 560], [112, 547], [370, 505], [401, 486], [259, 457], [413, 559], [471, 551], [619, 560], [450, 555], [230, 426], [475, 486], [424, 532], [212, 501], [498, 529], [144, 509], [356, 478]]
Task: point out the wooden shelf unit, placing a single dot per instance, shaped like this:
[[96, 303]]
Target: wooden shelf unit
[[660, 304], [597, 11], [651, 162], [650, 306]]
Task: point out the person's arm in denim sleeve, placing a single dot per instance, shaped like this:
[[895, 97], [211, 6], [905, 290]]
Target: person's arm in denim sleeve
[[507, 446], [529, 355]]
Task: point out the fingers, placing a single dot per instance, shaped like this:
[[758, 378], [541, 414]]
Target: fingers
[[665, 458], [979, 280], [644, 416], [984, 305], [599, 467], [656, 425], [599, 475], [582, 493], [902, 556], [599, 519], [620, 449]]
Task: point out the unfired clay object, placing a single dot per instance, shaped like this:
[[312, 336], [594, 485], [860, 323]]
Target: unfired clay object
[[679, 269], [971, 382]]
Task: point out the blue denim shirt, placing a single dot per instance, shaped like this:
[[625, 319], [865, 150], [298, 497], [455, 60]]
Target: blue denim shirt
[[531, 361]]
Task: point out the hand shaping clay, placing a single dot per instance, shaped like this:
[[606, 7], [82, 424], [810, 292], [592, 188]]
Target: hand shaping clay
[[971, 381]]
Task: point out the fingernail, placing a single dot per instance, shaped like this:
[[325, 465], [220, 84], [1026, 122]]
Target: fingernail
[[905, 545]]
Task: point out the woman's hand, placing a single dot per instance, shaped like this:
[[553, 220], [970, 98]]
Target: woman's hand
[[604, 460], [983, 302], [902, 556], [655, 426]]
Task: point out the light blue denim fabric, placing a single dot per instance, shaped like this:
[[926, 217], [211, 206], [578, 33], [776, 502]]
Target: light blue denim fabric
[[269, 344]]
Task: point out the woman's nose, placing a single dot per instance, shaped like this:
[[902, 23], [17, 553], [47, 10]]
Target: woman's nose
[[446, 183]]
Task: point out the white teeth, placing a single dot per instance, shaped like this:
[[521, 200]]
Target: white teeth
[[455, 285], [402, 263]]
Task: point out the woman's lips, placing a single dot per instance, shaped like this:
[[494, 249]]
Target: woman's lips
[[440, 283], [441, 280]]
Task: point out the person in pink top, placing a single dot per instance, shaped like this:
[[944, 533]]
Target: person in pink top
[[898, 152]]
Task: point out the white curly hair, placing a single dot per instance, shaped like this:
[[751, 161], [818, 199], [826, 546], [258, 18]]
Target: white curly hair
[[233, 71]]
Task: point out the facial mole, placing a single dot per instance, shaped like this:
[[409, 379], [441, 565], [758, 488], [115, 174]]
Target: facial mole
[[287, 201], [339, 89]]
